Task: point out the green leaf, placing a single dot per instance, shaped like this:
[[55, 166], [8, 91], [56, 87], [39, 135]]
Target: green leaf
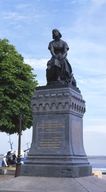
[[17, 84]]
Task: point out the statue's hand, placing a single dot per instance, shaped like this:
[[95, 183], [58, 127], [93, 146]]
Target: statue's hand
[[60, 56]]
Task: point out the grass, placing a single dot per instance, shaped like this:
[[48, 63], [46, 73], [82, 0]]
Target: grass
[[9, 168]]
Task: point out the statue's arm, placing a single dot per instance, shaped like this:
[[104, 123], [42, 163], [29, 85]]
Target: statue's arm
[[64, 54], [52, 51], [66, 48], [51, 48]]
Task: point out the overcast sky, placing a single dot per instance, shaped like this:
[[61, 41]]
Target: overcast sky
[[28, 25]]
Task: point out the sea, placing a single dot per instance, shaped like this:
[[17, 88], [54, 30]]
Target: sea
[[97, 162]]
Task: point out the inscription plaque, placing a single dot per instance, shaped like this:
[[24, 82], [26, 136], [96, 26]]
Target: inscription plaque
[[51, 134]]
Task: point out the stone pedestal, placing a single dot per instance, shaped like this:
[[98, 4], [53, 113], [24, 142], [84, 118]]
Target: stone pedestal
[[57, 144]]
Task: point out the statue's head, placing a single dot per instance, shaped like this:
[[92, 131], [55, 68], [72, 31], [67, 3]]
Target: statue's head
[[56, 33]]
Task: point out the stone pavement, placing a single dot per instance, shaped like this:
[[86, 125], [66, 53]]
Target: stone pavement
[[6, 177], [53, 184]]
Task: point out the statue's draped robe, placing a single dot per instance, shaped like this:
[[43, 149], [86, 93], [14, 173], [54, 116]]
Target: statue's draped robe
[[59, 68]]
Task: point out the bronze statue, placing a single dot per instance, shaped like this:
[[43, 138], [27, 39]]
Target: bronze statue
[[58, 67]]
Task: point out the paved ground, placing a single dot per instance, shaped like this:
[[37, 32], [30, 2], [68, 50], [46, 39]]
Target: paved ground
[[104, 177], [6, 177], [45, 184]]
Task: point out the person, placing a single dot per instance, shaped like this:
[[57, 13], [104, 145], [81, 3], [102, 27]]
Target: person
[[4, 162], [58, 67], [9, 158]]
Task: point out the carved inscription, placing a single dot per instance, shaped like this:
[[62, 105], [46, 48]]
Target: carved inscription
[[51, 134]]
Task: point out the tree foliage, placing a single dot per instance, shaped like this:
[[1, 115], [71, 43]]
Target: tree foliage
[[17, 84]]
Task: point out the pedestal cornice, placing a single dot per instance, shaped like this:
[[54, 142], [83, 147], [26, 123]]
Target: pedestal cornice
[[58, 100]]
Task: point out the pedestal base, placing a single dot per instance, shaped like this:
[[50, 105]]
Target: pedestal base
[[57, 144], [56, 171]]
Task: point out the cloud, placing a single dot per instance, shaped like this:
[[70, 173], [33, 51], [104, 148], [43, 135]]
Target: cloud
[[88, 57], [90, 21], [101, 129], [88, 45], [37, 64], [17, 16], [20, 12], [95, 125], [99, 2], [23, 6], [14, 16]]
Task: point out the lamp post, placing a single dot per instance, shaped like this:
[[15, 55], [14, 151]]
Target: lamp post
[[18, 163]]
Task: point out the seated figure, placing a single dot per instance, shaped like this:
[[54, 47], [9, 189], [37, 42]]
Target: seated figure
[[58, 67]]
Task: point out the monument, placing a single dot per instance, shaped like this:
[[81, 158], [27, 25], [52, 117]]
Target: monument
[[57, 144]]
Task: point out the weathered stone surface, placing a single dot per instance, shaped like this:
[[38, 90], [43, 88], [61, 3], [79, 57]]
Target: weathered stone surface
[[57, 144], [47, 184]]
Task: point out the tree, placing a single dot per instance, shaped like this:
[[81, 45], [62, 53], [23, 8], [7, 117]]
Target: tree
[[17, 84]]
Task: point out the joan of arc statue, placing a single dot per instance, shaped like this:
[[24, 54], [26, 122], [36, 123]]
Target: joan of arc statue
[[58, 67]]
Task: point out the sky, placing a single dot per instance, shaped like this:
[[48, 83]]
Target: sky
[[28, 26]]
